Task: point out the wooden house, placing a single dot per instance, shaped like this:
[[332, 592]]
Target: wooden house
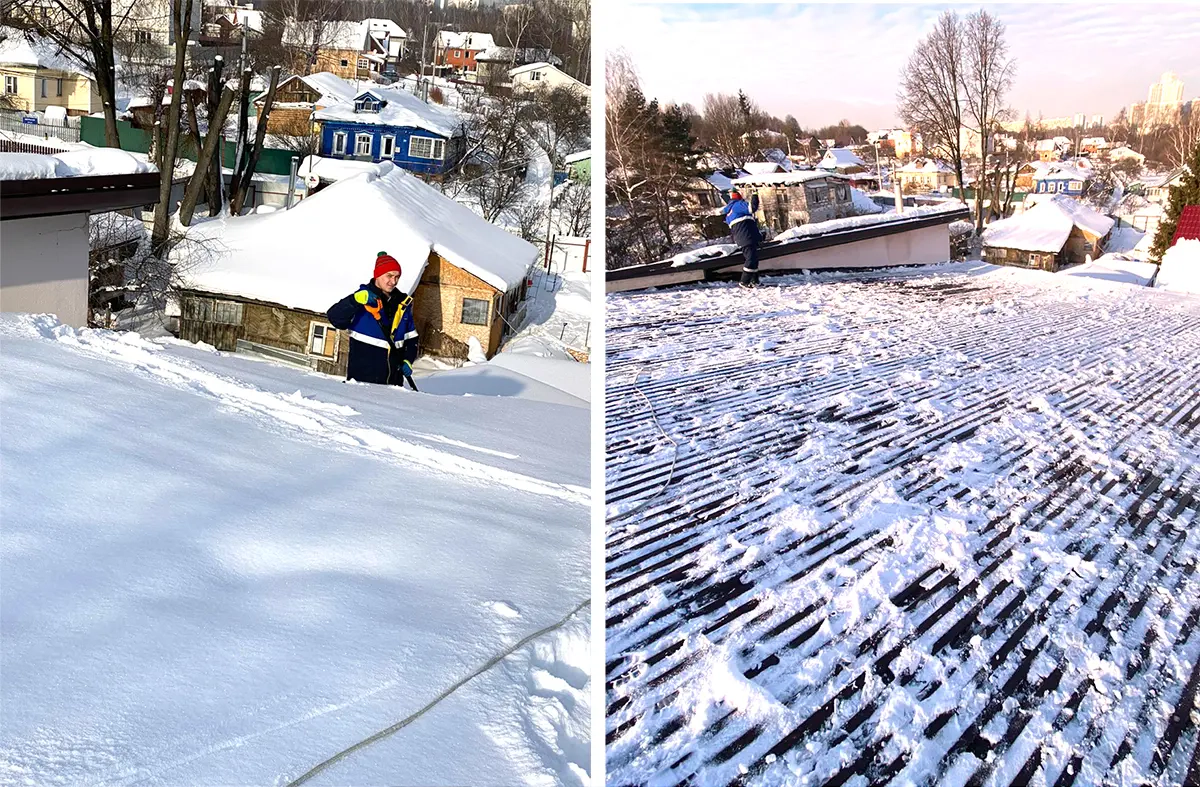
[[298, 97], [384, 124], [267, 290], [1054, 234], [789, 199]]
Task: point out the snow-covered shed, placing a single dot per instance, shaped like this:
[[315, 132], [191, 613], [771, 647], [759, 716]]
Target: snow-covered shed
[[1053, 234], [264, 282], [297, 97], [841, 160]]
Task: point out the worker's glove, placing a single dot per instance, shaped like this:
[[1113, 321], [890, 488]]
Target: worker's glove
[[366, 298], [406, 368]]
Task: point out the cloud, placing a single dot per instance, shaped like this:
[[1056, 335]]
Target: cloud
[[824, 62]]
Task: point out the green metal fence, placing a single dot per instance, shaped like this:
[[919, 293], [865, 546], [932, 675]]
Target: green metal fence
[[272, 161]]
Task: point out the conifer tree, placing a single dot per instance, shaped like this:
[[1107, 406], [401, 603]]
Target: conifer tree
[[1186, 193]]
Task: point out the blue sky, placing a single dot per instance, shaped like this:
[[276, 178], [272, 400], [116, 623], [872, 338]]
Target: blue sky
[[823, 62]]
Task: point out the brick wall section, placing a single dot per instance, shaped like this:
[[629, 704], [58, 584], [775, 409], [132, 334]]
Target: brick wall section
[[438, 310], [783, 207]]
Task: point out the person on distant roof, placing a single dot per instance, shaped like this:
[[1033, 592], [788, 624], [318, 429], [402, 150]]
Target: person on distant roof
[[744, 229], [383, 335]]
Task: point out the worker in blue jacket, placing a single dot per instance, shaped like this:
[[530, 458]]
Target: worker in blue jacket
[[744, 229], [383, 335]]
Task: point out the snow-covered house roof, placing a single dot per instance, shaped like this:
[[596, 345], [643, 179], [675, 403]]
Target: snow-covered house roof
[[722, 182], [85, 161], [1093, 142], [582, 155], [1061, 171], [779, 157], [400, 109], [840, 157], [374, 25], [476, 42], [563, 75], [785, 178], [506, 54], [19, 49], [762, 167], [323, 248], [1046, 226], [1125, 151], [927, 166]]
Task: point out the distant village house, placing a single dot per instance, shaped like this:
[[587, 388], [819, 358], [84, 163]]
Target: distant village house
[[789, 199], [1054, 234]]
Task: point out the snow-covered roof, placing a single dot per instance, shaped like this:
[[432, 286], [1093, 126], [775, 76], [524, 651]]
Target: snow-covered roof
[[374, 25], [20, 49], [73, 163], [512, 72], [403, 109], [506, 54], [324, 247], [331, 86], [841, 157], [1061, 171], [722, 182], [928, 166], [1124, 151], [1046, 226], [333, 169], [1114, 267], [582, 155], [450, 39], [785, 178], [762, 167]]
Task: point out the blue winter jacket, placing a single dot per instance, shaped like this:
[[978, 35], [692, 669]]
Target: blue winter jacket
[[376, 356], [735, 210]]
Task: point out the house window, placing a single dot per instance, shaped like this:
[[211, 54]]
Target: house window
[[535, 76], [426, 147], [10, 84], [363, 63], [389, 147], [141, 36], [474, 311], [458, 53], [362, 145], [339, 143], [322, 340], [43, 87], [345, 62], [59, 80]]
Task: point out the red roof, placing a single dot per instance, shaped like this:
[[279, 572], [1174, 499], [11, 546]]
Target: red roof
[[1189, 224]]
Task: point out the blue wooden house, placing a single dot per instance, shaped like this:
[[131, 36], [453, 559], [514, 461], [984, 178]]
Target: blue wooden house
[[388, 124], [1061, 179]]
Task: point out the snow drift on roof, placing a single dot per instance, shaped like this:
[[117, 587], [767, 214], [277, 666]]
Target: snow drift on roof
[[762, 167], [582, 155], [71, 164], [786, 178], [841, 157], [35, 51], [325, 247], [332, 169], [1046, 226], [1180, 271], [1114, 267], [331, 86], [403, 109]]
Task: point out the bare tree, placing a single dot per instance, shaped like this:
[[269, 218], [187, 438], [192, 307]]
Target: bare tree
[[243, 172], [1184, 136], [574, 204], [181, 12], [987, 78], [85, 31], [931, 99], [307, 27], [726, 128]]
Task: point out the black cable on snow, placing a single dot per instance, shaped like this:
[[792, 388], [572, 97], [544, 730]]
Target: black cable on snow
[[365, 742]]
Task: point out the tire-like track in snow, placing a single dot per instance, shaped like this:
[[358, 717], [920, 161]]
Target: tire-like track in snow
[[920, 526]]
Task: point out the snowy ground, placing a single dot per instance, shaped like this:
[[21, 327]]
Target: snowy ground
[[925, 526], [558, 311], [223, 571]]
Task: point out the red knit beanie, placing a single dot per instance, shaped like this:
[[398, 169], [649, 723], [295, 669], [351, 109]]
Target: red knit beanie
[[385, 263]]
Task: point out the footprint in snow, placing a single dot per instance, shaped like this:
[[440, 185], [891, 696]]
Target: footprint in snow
[[504, 609]]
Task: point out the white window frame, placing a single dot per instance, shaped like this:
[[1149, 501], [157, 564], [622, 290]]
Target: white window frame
[[358, 140], [11, 85], [327, 332], [387, 147], [339, 143], [45, 93], [437, 148], [60, 81], [535, 76], [364, 63]]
